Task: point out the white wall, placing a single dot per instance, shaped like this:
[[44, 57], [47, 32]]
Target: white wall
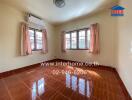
[[10, 58], [107, 31], [124, 43], [115, 40]]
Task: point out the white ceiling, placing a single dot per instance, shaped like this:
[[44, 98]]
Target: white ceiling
[[73, 8]]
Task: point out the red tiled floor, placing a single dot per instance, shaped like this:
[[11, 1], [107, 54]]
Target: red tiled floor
[[4, 92], [43, 84]]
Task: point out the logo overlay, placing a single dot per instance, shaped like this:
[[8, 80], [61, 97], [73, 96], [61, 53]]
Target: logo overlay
[[117, 11]]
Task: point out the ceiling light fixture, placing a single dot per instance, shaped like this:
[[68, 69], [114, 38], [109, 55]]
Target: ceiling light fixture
[[59, 3]]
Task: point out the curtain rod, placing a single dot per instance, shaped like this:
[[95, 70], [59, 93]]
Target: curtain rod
[[81, 28], [35, 16], [76, 30]]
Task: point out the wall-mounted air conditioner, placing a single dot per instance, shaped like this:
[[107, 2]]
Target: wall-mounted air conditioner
[[35, 22]]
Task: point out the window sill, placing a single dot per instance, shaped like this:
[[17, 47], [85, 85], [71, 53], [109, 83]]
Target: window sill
[[37, 50], [77, 49]]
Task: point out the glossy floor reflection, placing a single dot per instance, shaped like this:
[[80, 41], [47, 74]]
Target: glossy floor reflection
[[43, 84]]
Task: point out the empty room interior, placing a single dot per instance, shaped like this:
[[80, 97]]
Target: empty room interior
[[65, 50]]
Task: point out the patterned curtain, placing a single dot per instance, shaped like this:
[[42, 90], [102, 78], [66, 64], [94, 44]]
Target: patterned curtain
[[25, 40], [94, 43], [63, 42], [44, 41]]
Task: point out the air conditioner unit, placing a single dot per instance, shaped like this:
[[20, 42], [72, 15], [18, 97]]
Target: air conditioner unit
[[35, 22]]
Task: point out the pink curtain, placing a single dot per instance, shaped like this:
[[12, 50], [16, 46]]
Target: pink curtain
[[44, 41], [63, 42], [26, 45], [94, 43]]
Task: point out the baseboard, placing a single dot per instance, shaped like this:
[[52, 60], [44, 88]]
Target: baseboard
[[101, 67], [15, 71], [11, 72]]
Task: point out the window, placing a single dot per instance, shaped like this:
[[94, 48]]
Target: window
[[82, 38], [35, 39], [74, 40], [88, 38], [31, 33], [78, 39], [67, 41]]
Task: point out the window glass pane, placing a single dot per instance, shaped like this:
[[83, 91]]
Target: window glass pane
[[31, 34], [88, 38], [67, 36], [82, 33], [74, 40], [38, 40], [82, 44]]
